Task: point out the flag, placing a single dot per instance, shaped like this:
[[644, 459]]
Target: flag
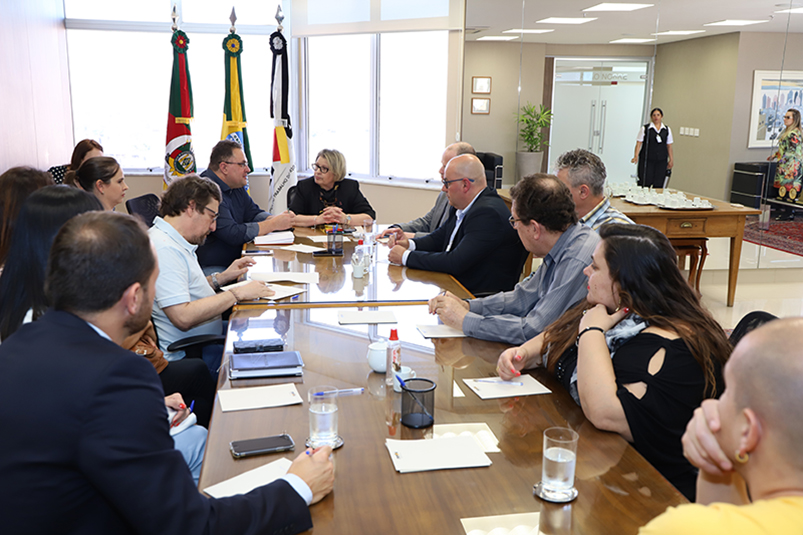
[[283, 172], [234, 122], [179, 158]]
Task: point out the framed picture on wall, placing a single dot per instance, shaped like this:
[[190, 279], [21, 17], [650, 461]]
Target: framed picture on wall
[[480, 106], [773, 93], [481, 85]]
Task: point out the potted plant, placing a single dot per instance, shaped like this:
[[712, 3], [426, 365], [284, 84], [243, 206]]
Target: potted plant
[[532, 123]]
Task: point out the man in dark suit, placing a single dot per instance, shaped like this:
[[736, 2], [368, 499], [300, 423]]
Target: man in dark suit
[[85, 445], [477, 245]]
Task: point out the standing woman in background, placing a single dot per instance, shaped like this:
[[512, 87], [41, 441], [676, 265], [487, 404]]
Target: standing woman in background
[[654, 152], [86, 149], [790, 163]]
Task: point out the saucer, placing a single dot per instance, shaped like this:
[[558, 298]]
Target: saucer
[[539, 491], [337, 444]]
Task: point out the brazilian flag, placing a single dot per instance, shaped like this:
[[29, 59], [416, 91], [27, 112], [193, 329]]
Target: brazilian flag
[[234, 122], [179, 157]]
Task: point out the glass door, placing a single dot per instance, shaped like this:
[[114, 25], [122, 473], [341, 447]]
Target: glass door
[[599, 106]]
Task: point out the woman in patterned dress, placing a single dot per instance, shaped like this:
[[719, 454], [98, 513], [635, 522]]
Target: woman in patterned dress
[[790, 162]]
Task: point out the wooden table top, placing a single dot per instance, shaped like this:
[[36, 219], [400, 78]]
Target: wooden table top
[[721, 208], [618, 490], [384, 284]]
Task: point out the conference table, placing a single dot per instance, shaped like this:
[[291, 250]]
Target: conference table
[[618, 490], [726, 220]]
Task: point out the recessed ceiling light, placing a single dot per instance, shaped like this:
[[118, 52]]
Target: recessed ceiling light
[[679, 32], [796, 10], [565, 20], [632, 40], [735, 22], [497, 38], [519, 30], [617, 7]]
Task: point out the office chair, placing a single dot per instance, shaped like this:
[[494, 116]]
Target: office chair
[[145, 207]]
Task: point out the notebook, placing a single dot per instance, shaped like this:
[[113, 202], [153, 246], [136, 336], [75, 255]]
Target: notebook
[[270, 364]]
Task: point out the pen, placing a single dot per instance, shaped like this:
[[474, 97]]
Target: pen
[[343, 392], [192, 405], [516, 383]]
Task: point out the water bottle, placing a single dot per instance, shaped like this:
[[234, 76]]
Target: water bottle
[[393, 363], [358, 260]]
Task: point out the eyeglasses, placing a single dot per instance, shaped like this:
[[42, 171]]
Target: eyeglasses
[[447, 182], [241, 164], [512, 220], [214, 214], [320, 168], [787, 116]]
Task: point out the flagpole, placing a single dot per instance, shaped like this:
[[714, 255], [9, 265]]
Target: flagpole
[[283, 171]]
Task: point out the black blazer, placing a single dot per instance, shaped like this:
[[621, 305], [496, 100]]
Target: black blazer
[[486, 255], [307, 199], [85, 446]]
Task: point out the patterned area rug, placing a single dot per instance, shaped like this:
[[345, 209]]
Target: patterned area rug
[[784, 236]]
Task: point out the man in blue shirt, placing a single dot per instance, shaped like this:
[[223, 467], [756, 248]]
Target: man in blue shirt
[[241, 219]]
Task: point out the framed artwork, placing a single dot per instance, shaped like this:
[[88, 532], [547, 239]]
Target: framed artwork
[[480, 106], [481, 85], [773, 93]]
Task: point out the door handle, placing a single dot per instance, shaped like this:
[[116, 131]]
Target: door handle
[[591, 126], [603, 117]]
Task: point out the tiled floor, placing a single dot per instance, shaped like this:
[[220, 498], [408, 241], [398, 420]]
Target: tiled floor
[[769, 280]]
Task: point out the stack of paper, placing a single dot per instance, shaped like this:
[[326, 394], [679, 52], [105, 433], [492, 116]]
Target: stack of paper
[[268, 364], [495, 387], [248, 481], [285, 237], [298, 277], [441, 454], [258, 397], [516, 524]]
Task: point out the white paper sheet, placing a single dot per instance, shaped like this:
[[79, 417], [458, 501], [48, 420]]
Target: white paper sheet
[[479, 431], [442, 454], [457, 392], [275, 238], [258, 397], [301, 248], [516, 524], [233, 285], [495, 387], [298, 277], [356, 317], [439, 331], [248, 481], [280, 292]]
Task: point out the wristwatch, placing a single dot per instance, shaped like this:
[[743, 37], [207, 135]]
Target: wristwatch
[[348, 219], [215, 283]]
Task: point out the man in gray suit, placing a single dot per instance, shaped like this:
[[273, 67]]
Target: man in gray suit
[[437, 216]]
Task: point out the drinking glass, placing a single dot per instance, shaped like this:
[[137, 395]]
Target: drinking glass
[[557, 467], [323, 417]]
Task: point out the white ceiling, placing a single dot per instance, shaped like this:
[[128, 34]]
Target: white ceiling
[[491, 17]]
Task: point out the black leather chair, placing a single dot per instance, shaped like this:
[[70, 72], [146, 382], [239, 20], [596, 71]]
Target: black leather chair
[[493, 168], [291, 194], [145, 207]]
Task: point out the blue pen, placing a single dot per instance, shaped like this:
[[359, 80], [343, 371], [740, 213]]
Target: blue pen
[[401, 381], [192, 405]]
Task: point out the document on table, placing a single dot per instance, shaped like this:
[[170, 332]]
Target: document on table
[[301, 248], [258, 397], [439, 331], [276, 238], [487, 524], [495, 387], [248, 481], [479, 431], [356, 317], [457, 392], [441, 454], [281, 292], [298, 277]]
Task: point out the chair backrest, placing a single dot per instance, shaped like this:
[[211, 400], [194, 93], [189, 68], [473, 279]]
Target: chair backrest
[[146, 207], [291, 195], [492, 163]]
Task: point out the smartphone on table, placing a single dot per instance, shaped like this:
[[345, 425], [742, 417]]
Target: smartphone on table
[[260, 446]]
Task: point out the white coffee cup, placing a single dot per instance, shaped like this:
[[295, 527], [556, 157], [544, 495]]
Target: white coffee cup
[[377, 356], [406, 373]]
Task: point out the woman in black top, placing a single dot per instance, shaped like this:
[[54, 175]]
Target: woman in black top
[[329, 197], [654, 152], [640, 353]]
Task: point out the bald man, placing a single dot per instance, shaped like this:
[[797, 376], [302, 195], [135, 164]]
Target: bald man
[[749, 438], [477, 245]]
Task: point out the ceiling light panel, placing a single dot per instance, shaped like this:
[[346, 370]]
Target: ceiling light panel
[[497, 38], [565, 20], [617, 7], [520, 30], [735, 22], [632, 40], [679, 32]]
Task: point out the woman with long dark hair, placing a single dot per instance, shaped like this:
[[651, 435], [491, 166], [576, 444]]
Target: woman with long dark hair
[[654, 152], [103, 177], [640, 353], [15, 186], [790, 163], [84, 150]]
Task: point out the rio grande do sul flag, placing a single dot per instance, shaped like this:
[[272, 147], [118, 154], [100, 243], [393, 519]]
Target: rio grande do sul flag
[[179, 158], [234, 122], [283, 172]]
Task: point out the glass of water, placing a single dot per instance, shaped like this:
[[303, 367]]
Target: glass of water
[[323, 417], [557, 468]]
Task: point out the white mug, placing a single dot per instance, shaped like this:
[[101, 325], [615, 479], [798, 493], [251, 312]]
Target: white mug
[[377, 356], [406, 373]]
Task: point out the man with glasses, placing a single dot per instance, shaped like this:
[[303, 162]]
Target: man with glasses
[[186, 302], [240, 219], [544, 216], [476, 244]]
